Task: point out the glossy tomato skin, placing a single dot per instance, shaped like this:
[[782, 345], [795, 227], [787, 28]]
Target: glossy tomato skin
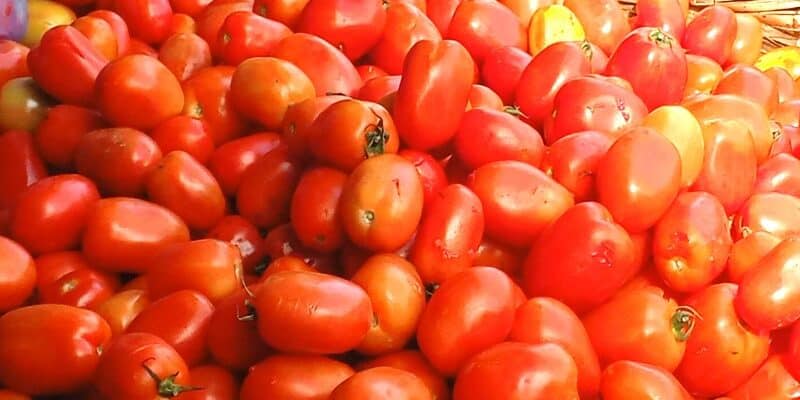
[[780, 174], [750, 83], [230, 160], [329, 69], [502, 69], [774, 213], [477, 305], [19, 275], [666, 15], [431, 172], [630, 379], [353, 28], [433, 93], [772, 380], [296, 124], [118, 25], [294, 377], [380, 381], [643, 58], [125, 234], [405, 26], [84, 287], [148, 20], [58, 135], [245, 34], [232, 340], [704, 74], [502, 371], [51, 214], [482, 25], [66, 65], [604, 21], [486, 135], [79, 335], [99, 33], [206, 97], [412, 361], [719, 339], [14, 64], [122, 308], [711, 33], [572, 161], [186, 134], [287, 12], [265, 193], [482, 97], [244, 235], [217, 383], [20, 166], [184, 54], [567, 260], [314, 209], [537, 200]]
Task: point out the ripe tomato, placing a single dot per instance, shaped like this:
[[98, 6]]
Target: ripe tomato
[[746, 47], [14, 60], [504, 371], [314, 209], [546, 320], [294, 377], [430, 171], [572, 161], [779, 174], [148, 20], [212, 17], [118, 26], [27, 336], [405, 26], [19, 275], [245, 34], [774, 213], [379, 382], [184, 54], [326, 66], [353, 28], [122, 308], [295, 128], [240, 232], [233, 338], [84, 287], [125, 234], [604, 22], [20, 166], [412, 361], [666, 15], [784, 82], [502, 68], [265, 193], [482, 25], [477, 307], [377, 89], [703, 75], [206, 98], [99, 33], [771, 381], [552, 24], [711, 33], [750, 83], [433, 93], [369, 71], [643, 58], [216, 383], [12, 395], [140, 366], [284, 11], [482, 97], [748, 251], [229, 162], [682, 129], [186, 134], [629, 379], [59, 133]]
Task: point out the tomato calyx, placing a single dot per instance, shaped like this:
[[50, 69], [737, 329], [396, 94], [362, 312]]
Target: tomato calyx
[[587, 49], [167, 387], [662, 39], [515, 111], [377, 137], [250, 315], [683, 322]]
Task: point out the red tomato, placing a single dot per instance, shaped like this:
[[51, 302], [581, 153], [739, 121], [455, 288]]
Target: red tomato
[[122, 308], [206, 98], [27, 337], [297, 122], [749, 83], [229, 162], [771, 381], [148, 20], [14, 60], [216, 383], [84, 287], [412, 361], [719, 339], [285, 11], [118, 160], [20, 166], [486, 135], [572, 161], [240, 232], [380, 382], [265, 193], [549, 70], [12, 395], [783, 82], [99, 33], [405, 26], [430, 171], [748, 251], [505, 371], [503, 257], [182, 319], [368, 72], [629, 379], [638, 178], [245, 34], [482, 25], [66, 65], [233, 338], [781, 174], [711, 33], [482, 97], [582, 259], [502, 68], [643, 58], [604, 21], [60, 132], [329, 70], [353, 28], [211, 19], [186, 134], [775, 213], [376, 89], [294, 377], [286, 263], [477, 307], [19, 275], [433, 93], [314, 209], [125, 234], [665, 15], [703, 75], [184, 54], [118, 25], [746, 47]]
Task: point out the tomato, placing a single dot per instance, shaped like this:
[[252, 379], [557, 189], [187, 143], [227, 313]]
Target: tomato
[[643, 58], [229, 162], [546, 320], [282, 241], [412, 361], [27, 337], [502, 70], [125, 234], [66, 65], [216, 383], [666, 15], [99, 33], [42, 16], [122, 308], [477, 307], [295, 128], [774, 213], [549, 70], [212, 18], [19, 275], [141, 48], [13, 64], [182, 319], [233, 338], [206, 98], [185, 134], [327, 67], [572, 161], [12, 395], [83, 287], [184, 54], [779, 174], [771, 381], [294, 377], [503, 257], [265, 193], [368, 72], [182, 23], [604, 21], [240, 232], [611, 108], [314, 206], [748, 251], [118, 26], [287, 12], [703, 75], [379, 382], [433, 93], [750, 83], [682, 129], [23, 106], [405, 26], [505, 370], [285, 263], [552, 24], [482, 25], [430, 171], [61, 130], [148, 20], [785, 84], [140, 366], [482, 97], [20, 166], [746, 47], [245, 34], [381, 203], [352, 28], [641, 325], [376, 89], [629, 379], [118, 160], [711, 33]]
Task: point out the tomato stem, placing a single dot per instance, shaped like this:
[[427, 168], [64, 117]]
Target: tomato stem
[[661, 38], [167, 387], [251, 312], [515, 111], [683, 322], [377, 137]]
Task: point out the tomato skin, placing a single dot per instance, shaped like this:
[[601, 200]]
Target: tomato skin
[[719, 339], [229, 162], [748, 251], [125, 234], [14, 60], [604, 21], [265, 193], [314, 209], [746, 47], [630, 379], [320, 300], [659, 54], [233, 342], [750, 83], [433, 93], [118, 160], [186, 134], [245, 34], [381, 382], [184, 54], [287, 12], [148, 20], [503, 369], [703, 75], [649, 163], [182, 319], [431, 172], [294, 377], [549, 70], [502, 69], [327, 67], [406, 25], [486, 135], [218, 384], [66, 65], [20, 167], [572, 161], [381, 203], [412, 361], [780, 174], [118, 26], [774, 213], [19, 275], [772, 381], [296, 124], [691, 242], [99, 33], [477, 305], [78, 333], [58, 135], [711, 33], [377, 89], [122, 375], [353, 28], [206, 98], [665, 15], [481, 25], [122, 308], [437, 254], [240, 232], [368, 72], [12, 395], [84, 287]]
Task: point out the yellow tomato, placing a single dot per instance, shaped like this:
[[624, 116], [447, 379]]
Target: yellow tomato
[[681, 128], [22, 105], [787, 58], [552, 24], [43, 15]]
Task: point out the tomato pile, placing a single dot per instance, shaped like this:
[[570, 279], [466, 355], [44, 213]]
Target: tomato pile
[[396, 199]]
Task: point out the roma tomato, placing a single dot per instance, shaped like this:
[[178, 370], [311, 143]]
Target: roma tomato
[[320, 301], [477, 305], [775, 213], [229, 161], [212, 17], [682, 129], [711, 33], [14, 60], [746, 47], [719, 338], [244, 235], [503, 257], [23, 105], [433, 93], [430, 171], [412, 361], [122, 308], [781, 173], [206, 97], [19, 275], [582, 258], [148, 20], [504, 371], [405, 26], [20, 166], [785, 84], [643, 58], [351, 27], [376, 89], [382, 381], [482, 25], [482, 97], [84, 287], [125, 234], [294, 377], [99, 33], [217, 383], [184, 54], [287, 12], [245, 34], [59, 134], [326, 66], [314, 209], [233, 338], [369, 71], [703, 75], [748, 251], [79, 334], [296, 124], [750, 83], [572, 161], [630, 379], [604, 21], [772, 381], [118, 25], [264, 195], [502, 70], [552, 24], [666, 15], [186, 134]]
